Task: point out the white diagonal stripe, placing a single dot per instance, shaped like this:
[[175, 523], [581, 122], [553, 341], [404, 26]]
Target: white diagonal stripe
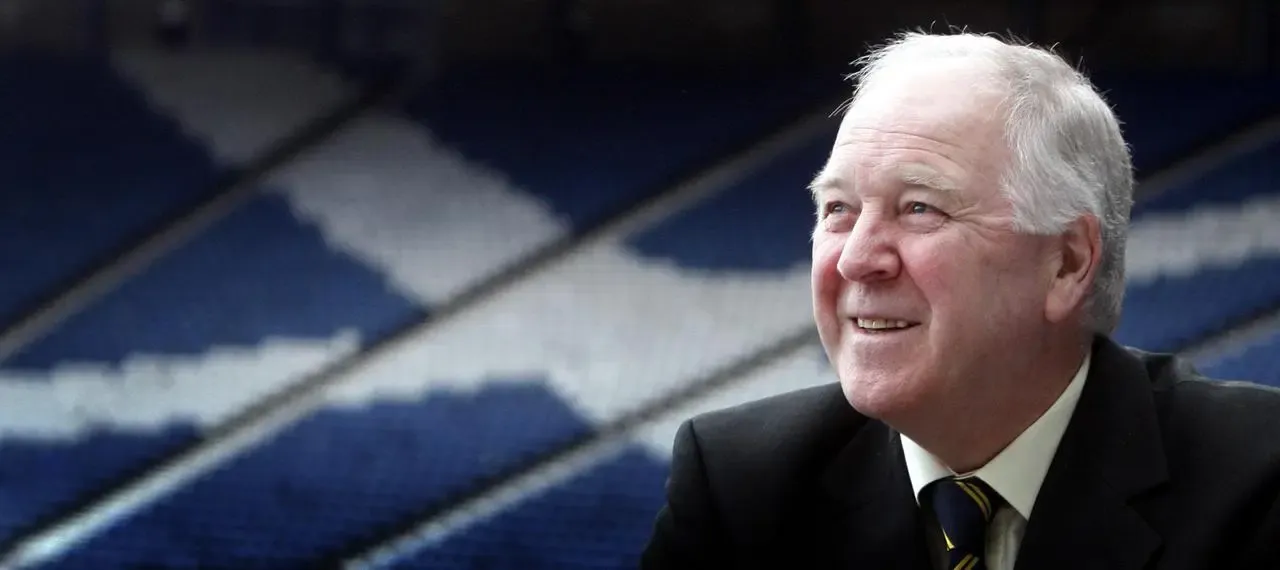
[[1179, 244]]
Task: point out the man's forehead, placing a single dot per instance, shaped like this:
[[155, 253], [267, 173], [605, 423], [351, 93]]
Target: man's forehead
[[919, 137], [929, 116], [950, 91]]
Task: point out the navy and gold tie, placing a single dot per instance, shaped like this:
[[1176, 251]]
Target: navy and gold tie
[[964, 508]]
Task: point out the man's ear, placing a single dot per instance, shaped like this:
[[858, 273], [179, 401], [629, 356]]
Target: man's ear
[[1077, 255]]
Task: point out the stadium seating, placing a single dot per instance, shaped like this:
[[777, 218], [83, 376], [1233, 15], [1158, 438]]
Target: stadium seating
[[597, 519], [299, 277], [240, 105], [337, 477], [1255, 361], [256, 275], [397, 214], [760, 225], [354, 38], [602, 514], [212, 310], [603, 138], [1213, 238], [401, 491], [1167, 116], [88, 167]]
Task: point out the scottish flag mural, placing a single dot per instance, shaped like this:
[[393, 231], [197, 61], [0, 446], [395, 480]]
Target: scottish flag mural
[[531, 309]]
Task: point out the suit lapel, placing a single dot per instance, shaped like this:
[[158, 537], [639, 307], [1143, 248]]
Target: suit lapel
[[1110, 453], [876, 522]]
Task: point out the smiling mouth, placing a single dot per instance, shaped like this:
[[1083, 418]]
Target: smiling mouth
[[882, 326]]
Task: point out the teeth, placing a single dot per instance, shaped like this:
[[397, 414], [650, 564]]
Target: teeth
[[881, 324]]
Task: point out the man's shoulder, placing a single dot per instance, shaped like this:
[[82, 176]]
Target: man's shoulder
[[763, 458], [1223, 402], [796, 426], [1237, 418], [796, 409]]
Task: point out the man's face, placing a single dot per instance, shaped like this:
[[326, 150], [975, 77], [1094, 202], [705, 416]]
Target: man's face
[[914, 230]]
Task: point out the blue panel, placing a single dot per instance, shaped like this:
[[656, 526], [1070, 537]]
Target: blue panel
[[1167, 117], [87, 167], [39, 479], [1255, 173], [258, 273], [336, 477], [763, 223], [353, 38], [599, 519], [1169, 314], [1258, 362], [602, 139]]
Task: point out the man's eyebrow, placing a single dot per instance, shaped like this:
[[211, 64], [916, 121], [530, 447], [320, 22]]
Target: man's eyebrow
[[909, 173], [824, 181], [921, 174]]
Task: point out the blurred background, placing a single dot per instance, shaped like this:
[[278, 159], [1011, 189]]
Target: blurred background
[[431, 283]]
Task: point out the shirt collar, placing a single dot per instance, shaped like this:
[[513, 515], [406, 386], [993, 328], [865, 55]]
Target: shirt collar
[[1019, 469]]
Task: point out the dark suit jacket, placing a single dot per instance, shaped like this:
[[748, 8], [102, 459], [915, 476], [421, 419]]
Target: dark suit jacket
[[1158, 468]]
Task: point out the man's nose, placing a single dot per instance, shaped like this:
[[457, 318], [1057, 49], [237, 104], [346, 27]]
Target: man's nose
[[868, 253]]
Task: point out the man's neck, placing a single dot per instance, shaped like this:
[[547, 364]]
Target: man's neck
[[987, 429]]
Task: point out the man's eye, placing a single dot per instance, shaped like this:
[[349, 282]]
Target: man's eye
[[836, 208], [919, 208]]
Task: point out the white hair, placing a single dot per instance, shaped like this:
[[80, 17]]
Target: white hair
[[1068, 157]]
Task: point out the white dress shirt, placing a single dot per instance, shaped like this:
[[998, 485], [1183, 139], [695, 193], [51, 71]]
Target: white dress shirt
[[1016, 472]]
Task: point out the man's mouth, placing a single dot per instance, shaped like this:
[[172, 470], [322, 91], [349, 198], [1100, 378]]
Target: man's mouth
[[883, 325]]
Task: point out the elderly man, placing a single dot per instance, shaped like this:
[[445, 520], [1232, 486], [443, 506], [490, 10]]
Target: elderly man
[[967, 268]]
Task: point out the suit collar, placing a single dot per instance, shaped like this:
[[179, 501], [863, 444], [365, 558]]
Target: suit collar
[[867, 466], [876, 521], [1110, 453]]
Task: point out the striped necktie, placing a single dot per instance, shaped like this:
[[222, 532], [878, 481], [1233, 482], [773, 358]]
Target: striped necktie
[[964, 508]]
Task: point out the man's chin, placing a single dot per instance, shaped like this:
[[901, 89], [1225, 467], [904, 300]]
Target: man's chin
[[887, 400]]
